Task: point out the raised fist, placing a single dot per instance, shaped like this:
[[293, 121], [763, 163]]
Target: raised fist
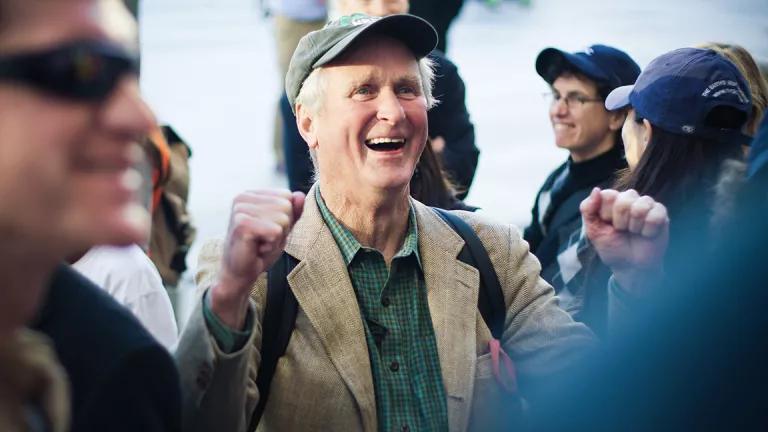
[[630, 233], [258, 228]]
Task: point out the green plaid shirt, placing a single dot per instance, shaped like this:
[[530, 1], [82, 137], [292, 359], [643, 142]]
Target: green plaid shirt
[[398, 330]]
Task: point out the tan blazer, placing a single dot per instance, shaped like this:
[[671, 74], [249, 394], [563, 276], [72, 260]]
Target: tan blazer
[[324, 381]]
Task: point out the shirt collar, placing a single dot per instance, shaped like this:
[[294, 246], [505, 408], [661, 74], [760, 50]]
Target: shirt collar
[[610, 161], [348, 244]]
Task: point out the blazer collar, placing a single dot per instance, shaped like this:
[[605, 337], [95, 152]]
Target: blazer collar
[[324, 291], [452, 290]]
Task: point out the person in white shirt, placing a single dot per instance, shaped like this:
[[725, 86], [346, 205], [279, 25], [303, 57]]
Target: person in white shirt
[[129, 276]]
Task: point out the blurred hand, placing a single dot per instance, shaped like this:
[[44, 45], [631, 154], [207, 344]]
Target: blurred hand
[[438, 144], [258, 228], [630, 233]]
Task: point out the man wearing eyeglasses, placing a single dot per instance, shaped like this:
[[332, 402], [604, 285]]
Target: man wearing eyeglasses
[[579, 83], [71, 118]]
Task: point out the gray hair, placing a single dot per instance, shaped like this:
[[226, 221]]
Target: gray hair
[[313, 89]]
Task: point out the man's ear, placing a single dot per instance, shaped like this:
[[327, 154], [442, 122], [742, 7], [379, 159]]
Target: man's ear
[[616, 119], [306, 125]]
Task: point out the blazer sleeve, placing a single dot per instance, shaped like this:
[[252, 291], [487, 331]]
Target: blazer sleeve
[[219, 390], [540, 337]]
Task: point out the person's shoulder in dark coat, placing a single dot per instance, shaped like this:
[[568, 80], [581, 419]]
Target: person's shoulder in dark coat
[[450, 120], [121, 379], [533, 233]]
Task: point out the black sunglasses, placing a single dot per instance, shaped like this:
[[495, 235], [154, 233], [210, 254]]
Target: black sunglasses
[[81, 70]]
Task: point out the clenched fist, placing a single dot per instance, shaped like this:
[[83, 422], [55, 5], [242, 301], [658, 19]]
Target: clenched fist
[[630, 233], [258, 228]]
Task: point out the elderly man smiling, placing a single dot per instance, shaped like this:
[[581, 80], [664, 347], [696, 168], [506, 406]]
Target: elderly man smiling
[[387, 334]]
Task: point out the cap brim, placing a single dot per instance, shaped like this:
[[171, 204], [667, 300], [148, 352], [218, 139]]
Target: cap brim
[[551, 62], [416, 33], [619, 98]]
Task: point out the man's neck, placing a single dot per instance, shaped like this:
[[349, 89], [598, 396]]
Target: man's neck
[[25, 271], [594, 151], [377, 219]]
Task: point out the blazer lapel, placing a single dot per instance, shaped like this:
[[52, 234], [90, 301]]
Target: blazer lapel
[[324, 291], [452, 290]]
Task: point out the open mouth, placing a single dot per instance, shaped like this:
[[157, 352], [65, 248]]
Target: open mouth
[[385, 144]]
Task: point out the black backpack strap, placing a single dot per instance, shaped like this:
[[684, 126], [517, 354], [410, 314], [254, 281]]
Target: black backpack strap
[[491, 298], [276, 328]]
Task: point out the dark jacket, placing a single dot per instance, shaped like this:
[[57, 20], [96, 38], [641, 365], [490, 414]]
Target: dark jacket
[[439, 13], [121, 378], [555, 213], [449, 119], [554, 236]]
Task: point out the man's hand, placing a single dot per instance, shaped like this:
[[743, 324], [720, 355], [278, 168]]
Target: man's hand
[[630, 233], [258, 228]]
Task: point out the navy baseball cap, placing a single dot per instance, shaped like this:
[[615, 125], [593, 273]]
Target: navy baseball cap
[[678, 90], [601, 63]]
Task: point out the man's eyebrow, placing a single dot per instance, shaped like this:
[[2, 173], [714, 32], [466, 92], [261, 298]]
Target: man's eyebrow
[[410, 80], [570, 93], [366, 79], [577, 93]]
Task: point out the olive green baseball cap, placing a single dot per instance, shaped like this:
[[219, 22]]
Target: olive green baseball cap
[[321, 47]]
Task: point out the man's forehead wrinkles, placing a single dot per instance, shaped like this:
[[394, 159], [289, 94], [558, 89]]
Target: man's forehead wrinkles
[[378, 76]]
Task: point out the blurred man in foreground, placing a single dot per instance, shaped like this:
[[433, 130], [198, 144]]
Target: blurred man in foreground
[[71, 117]]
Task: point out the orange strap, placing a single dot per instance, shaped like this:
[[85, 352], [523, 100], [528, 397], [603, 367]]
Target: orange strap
[[161, 173]]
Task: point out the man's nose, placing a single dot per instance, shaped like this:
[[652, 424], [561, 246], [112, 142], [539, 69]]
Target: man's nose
[[559, 107], [390, 109], [126, 113]]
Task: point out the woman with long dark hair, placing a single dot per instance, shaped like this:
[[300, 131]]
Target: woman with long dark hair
[[685, 120], [686, 113]]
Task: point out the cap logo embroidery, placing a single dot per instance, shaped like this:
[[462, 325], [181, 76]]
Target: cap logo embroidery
[[688, 129], [589, 51], [353, 20], [731, 87]]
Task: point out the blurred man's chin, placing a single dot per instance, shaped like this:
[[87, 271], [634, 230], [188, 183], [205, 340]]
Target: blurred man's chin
[[104, 210], [116, 226], [126, 225]]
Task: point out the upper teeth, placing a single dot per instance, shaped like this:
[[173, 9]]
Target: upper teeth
[[385, 140]]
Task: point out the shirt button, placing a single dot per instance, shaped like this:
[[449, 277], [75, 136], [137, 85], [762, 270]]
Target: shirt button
[[385, 301], [394, 366], [405, 428]]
